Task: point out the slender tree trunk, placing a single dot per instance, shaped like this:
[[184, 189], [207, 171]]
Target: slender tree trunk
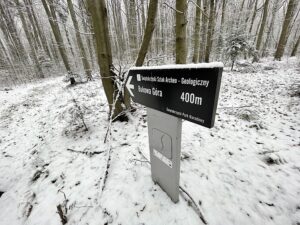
[[262, 25], [197, 33], [39, 30], [37, 65], [295, 48], [148, 32], [211, 25], [181, 21], [203, 31], [13, 30], [221, 38], [270, 28], [83, 55], [284, 31], [253, 17], [132, 27], [57, 35], [98, 11]]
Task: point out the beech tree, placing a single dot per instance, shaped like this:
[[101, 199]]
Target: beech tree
[[116, 101]]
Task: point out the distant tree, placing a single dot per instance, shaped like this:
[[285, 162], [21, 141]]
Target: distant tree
[[50, 11], [83, 54], [30, 40], [262, 25], [270, 28]]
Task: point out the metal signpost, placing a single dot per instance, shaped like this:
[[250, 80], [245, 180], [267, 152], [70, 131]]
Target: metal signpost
[[172, 93]]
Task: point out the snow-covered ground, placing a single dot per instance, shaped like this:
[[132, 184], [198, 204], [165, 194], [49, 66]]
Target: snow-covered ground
[[245, 170]]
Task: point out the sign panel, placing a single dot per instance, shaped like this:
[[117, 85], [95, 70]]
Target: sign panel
[[188, 91]]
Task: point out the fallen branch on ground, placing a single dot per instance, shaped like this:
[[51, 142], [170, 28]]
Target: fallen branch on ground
[[85, 152]]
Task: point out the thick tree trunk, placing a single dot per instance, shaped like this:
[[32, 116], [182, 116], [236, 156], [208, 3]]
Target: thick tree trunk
[[197, 33], [98, 11], [148, 32], [211, 25], [262, 25], [284, 31], [83, 55], [181, 21]]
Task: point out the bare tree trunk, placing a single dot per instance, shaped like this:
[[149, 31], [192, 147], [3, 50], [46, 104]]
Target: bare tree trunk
[[197, 33], [262, 25], [39, 30], [221, 38], [57, 35], [84, 59], [295, 48], [203, 31], [270, 28], [148, 32], [285, 27], [98, 11], [37, 65], [132, 27], [10, 25], [211, 25], [253, 17], [181, 21]]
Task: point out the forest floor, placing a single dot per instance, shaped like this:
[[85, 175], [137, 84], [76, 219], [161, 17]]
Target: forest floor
[[245, 170]]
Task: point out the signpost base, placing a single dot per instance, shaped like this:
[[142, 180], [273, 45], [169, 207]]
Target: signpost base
[[164, 133]]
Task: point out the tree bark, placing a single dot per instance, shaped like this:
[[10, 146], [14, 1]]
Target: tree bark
[[284, 31], [262, 25], [211, 25], [181, 51], [83, 55], [203, 31], [220, 38], [98, 11], [270, 28], [148, 32], [253, 17], [197, 33]]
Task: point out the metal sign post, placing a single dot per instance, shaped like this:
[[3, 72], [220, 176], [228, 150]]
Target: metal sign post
[[172, 93]]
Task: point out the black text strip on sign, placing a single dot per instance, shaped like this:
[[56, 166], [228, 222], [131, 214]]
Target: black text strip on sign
[[189, 92]]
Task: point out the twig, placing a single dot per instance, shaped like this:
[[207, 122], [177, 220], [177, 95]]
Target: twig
[[196, 208], [199, 8], [172, 8], [142, 161]]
